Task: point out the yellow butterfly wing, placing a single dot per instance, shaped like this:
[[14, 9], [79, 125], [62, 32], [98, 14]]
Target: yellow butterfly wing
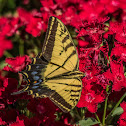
[[59, 49], [54, 72], [66, 92]]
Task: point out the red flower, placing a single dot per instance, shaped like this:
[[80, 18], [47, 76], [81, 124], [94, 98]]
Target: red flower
[[91, 33], [8, 26], [10, 86], [119, 80], [92, 10], [90, 97], [2, 122], [48, 4], [35, 26], [35, 22], [17, 64], [5, 115], [122, 119], [33, 121], [68, 16], [24, 16], [118, 30], [113, 5], [17, 123], [42, 109], [89, 60], [118, 53], [83, 43], [123, 105], [116, 76], [4, 45]]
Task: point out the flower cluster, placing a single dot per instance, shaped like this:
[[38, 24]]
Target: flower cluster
[[98, 28], [122, 119]]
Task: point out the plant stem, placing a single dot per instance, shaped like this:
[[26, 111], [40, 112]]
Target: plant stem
[[104, 114], [7, 54], [105, 107], [82, 113], [78, 115], [21, 47], [97, 118], [109, 115]]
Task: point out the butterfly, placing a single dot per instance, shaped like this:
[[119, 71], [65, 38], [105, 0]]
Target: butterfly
[[54, 73]]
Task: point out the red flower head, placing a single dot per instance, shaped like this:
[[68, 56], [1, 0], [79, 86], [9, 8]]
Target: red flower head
[[118, 30], [2, 122], [35, 22], [92, 10], [113, 5], [17, 123], [5, 115], [91, 33], [42, 109], [10, 86], [17, 64], [8, 26], [90, 97], [35, 26], [122, 119], [33, 121], [118, 53], [116, 76], [4, 45], [24, 16], [119, 80]]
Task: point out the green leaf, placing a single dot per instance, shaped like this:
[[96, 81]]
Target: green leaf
[[88, 122], [117, 111], [75, 42], [2, 64]]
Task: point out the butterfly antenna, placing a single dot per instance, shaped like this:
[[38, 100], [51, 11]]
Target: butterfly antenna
[[18, 92], [21, 91]]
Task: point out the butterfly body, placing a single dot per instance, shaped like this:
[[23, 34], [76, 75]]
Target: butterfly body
[[54, 73]]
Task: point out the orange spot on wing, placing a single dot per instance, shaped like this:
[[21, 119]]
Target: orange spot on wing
[[35, 81]]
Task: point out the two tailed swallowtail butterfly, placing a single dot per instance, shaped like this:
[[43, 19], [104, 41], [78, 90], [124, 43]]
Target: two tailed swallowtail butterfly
[[54, 73]]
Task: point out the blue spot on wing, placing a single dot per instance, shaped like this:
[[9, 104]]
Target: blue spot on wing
[[37, 67], [36, 83], [35, 77], [34, 72], [40, 81], [39, 89], [35, 87]]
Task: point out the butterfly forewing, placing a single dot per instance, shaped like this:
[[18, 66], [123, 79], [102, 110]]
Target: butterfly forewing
[[58, 46]]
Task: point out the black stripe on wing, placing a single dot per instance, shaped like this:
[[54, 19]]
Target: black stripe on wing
[[73, 53], [60, 102], [49, 39]]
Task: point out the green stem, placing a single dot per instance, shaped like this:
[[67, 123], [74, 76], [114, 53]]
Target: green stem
[[105, 107], [21, 47], [7, 54], [82, 113], [78, 115], [109, 115], [97, 118], [104, 114]]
